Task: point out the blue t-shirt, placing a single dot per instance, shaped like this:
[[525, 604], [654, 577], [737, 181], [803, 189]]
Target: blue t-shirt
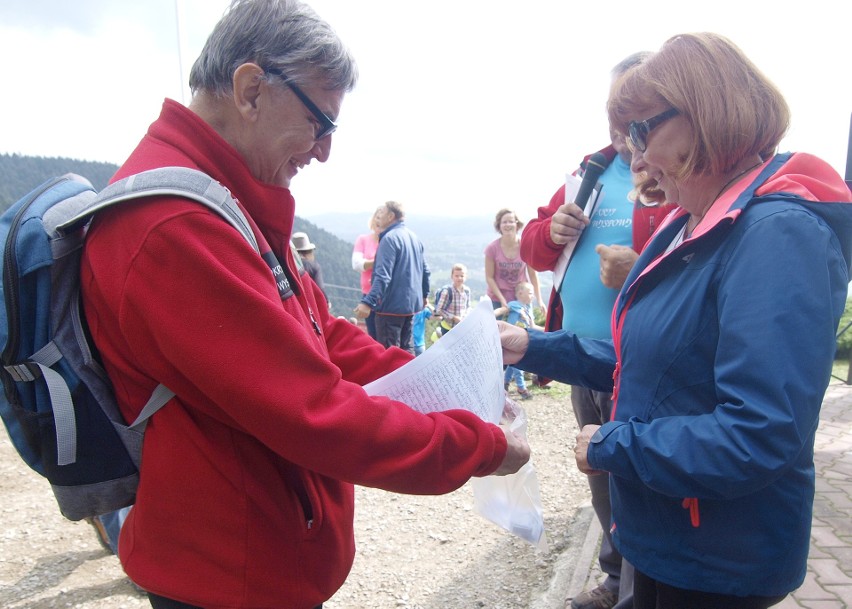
[[520, 314], [587, 303]]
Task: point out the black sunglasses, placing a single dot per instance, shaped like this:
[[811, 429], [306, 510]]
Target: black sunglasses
[[639, 130], [326, 125]]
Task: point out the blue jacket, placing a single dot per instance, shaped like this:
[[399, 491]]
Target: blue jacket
[[722, 350], [400, 275]]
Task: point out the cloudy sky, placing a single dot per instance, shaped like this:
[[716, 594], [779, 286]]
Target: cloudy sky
[[463, 107]]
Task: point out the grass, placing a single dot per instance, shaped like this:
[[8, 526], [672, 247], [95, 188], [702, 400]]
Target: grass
[[553, 389], [840, 371]]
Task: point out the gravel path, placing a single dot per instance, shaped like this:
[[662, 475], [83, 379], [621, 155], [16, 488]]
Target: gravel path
[[413, 552]]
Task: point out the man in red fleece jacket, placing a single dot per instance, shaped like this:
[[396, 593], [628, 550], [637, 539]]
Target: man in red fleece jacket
[[246, 496]]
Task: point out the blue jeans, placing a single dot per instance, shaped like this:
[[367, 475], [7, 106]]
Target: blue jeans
[[112, 523], [517, 374]]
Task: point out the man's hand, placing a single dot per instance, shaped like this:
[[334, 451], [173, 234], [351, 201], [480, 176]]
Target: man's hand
[[581, 449], [362, 311], [514, 341], [517, 453], [567, 224], [616, 263]]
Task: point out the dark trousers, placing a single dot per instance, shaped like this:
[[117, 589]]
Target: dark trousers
[[648, 593], [594, 408], [161, 602], [395, 331]]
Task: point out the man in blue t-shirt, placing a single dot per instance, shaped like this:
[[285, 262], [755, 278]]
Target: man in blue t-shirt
[[605, 251], [587, 307], [586, 301]]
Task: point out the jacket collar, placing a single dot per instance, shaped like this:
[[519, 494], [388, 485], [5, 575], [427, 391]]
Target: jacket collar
[[393, 226], [796, 177]]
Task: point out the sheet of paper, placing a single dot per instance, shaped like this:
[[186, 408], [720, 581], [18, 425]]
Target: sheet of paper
[[462, 370], [572, 187]]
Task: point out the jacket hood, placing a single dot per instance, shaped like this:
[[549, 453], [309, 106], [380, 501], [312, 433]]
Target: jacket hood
[[794, 177], [814, 184]]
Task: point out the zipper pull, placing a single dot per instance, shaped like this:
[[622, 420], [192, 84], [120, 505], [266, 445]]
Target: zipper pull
[[691, 504], [317, 328], [616, 380]]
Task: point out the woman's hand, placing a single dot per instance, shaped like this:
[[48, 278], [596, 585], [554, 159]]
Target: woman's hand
[[581, 449], [514, 340]]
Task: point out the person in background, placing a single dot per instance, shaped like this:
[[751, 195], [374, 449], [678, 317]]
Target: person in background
[[400, 285], [363, 258], [723, 335], [605, 248], [307, 252], [418, 329], [519, 312], [504, 268], [453, 301], [245, 496]]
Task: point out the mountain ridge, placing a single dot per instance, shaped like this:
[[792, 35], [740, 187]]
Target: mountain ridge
[[446, 240]]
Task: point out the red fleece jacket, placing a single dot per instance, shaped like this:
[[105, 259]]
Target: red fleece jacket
[[246, 496]]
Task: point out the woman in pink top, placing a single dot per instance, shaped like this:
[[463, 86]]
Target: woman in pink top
[[363, 256], [504, 268]]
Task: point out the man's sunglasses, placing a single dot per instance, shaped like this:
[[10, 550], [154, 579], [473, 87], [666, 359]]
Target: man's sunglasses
[[639, 130], [326, 125]]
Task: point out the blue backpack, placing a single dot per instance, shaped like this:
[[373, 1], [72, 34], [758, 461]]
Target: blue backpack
[[447, 289], [58, 405]]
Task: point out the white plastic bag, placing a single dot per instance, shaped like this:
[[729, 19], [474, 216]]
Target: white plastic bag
[[513, 502]]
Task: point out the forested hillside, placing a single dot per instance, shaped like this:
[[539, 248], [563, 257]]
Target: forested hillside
[[20, 174]]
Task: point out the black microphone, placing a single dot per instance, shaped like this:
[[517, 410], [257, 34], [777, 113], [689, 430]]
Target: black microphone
[[595, 166]]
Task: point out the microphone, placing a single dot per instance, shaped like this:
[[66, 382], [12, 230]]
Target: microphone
[[595, 166]]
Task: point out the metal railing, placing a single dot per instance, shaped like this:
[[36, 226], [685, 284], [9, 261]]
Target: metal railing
[[343, 299], [848, 379]]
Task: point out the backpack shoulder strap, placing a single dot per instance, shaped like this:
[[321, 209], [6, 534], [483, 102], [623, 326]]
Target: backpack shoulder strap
[[177, 181]]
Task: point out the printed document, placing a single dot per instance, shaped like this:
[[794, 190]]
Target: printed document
[[464, 369]]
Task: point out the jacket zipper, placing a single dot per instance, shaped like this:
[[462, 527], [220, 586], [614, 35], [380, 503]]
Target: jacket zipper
[[616, 343]]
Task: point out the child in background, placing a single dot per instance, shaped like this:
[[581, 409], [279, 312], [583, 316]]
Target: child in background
[[520, 313], [453, 301], [418, 329]]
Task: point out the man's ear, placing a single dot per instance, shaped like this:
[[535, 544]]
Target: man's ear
[[248, 81]]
